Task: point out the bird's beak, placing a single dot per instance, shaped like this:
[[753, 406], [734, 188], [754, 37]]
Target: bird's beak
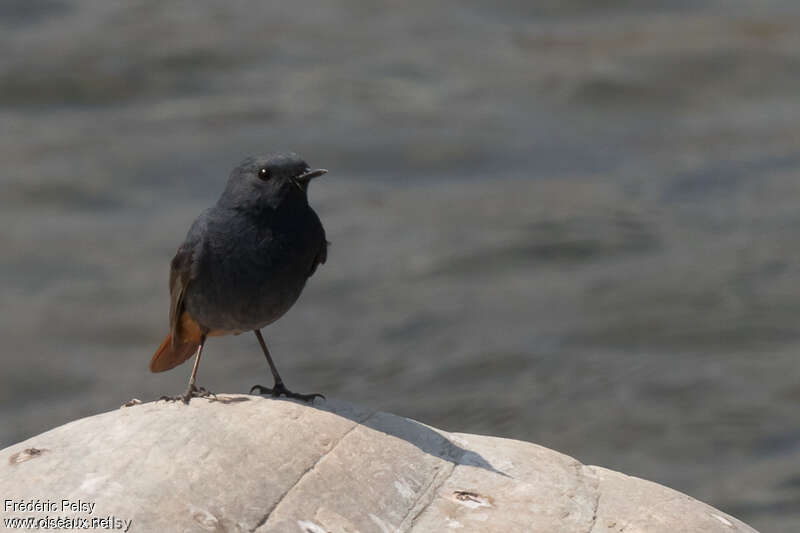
[[311, 174]]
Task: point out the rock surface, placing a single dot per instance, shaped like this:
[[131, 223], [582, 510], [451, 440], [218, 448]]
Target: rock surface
[[246, 463]]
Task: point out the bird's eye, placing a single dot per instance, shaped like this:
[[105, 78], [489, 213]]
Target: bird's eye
[[263, 173]]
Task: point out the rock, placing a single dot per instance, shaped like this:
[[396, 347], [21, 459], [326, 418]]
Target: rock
[[246, 463]]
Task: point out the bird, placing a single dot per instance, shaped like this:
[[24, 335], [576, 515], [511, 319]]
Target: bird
[[243, 264]]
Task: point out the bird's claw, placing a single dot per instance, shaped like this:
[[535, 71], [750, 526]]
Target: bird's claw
[[192, 391], [279, 389]]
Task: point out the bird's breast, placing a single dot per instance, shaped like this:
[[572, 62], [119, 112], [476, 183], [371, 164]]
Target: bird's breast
[[250, 274]]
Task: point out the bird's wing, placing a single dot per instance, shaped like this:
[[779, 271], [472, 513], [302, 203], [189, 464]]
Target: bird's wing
[[321, 257], [183, 270]]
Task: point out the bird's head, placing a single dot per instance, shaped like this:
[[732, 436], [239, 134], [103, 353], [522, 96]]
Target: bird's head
[[267, 181]]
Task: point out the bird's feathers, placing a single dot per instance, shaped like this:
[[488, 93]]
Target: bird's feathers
[[183, 270], [321, 257], [171, 354]]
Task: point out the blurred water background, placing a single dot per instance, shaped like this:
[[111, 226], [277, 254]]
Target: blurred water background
[[569, 222]]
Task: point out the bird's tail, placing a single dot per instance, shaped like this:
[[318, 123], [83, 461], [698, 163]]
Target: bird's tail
[[168, 356]]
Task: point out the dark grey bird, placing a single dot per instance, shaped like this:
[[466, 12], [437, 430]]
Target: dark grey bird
[[244, 263]]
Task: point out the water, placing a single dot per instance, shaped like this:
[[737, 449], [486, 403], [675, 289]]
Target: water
[[570, 223]]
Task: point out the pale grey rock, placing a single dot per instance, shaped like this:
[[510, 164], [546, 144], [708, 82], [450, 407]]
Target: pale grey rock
[[246, 463]]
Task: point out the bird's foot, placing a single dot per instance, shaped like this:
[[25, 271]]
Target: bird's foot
[[192, 391], [279, 389]]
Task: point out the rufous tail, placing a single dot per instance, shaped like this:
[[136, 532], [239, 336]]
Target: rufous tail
[[167, 356]]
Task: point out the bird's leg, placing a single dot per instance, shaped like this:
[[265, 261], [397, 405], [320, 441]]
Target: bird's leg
[[192, 390], [278, 389]]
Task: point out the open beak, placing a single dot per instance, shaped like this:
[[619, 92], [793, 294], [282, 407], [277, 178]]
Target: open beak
[[311, 174]]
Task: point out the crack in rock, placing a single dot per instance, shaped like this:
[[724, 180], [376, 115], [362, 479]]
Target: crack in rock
[[308, 470]]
